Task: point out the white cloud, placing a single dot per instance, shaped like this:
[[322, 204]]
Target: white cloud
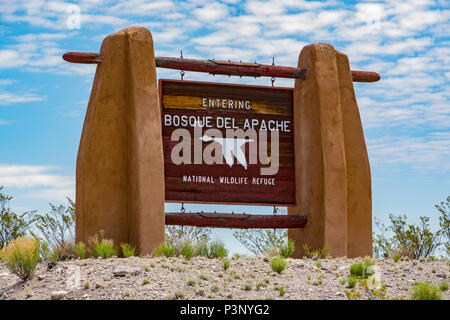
[[405, 41], [429, 152], [10, 59], [10, 98], [26, 176], [141, 7], [52, 194], [211, 12], [5, 82]]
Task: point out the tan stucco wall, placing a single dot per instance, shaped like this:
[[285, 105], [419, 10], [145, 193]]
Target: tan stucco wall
[[332, 168], [120, 168]]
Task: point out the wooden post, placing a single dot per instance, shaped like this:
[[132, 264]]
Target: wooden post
[[222, 67], [332, 170], [235, 220], [120, 168]]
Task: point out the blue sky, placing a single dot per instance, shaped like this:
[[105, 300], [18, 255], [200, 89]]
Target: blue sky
[[406, 115]]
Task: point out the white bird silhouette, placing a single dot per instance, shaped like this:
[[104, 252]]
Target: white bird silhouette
[[230, 147]]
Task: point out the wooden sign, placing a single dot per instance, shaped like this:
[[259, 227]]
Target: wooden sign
[[227, 143]]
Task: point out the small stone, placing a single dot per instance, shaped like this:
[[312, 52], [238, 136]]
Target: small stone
[[58, 295], [122, 271], [340, 294], [441, 275], [40, 277], [4, 296], [4, 274]]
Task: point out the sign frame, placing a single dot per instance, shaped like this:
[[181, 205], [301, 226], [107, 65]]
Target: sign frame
[[289, 89]]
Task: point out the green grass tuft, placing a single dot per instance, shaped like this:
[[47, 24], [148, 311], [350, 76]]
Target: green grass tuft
[[187, 250], [127, 250], [166, 250], [287, 250], [80, 249], [425, 291], [278, 264], [226, 264]]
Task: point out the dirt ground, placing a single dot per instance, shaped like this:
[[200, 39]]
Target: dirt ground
[[201, 278]]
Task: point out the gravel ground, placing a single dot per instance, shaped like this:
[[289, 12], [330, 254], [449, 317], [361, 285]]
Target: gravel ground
[[201, 278]]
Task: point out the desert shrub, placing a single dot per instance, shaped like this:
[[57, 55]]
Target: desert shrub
[[191, 282], [101, 247], [177, 235], [21, 257], [211, 250], [443, 286], [287, 250], [187, 250], [320, 253], [362, 269], [259, 241], [351, 281], [281, 291], [215, 288], [57, 229], [165, 249], [80, 248], [444, 222], [64, 251], [127, 250], [396, 257], [368, 289], [216, 249], [44, 251], [357, 269], [226, 264], [13, 225], [425, 291], [202, 250], [278, 264], [178, 295], [414, 241]]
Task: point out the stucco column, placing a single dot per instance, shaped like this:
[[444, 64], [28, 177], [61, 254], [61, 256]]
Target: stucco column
[[359, 191], [330, 155], [120, 166]]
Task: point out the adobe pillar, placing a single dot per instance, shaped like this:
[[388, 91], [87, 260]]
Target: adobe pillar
[[120, 168], [333, 186]]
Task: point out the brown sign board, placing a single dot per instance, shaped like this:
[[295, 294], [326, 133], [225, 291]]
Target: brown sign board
[[227, 143]]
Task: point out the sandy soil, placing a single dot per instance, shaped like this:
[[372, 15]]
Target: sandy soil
[[201, 278]]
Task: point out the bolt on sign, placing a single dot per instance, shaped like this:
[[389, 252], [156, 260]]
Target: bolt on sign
[[227, 143]]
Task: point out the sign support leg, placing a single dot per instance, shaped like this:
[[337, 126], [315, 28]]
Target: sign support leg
[[120, 165], [333, 187]]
